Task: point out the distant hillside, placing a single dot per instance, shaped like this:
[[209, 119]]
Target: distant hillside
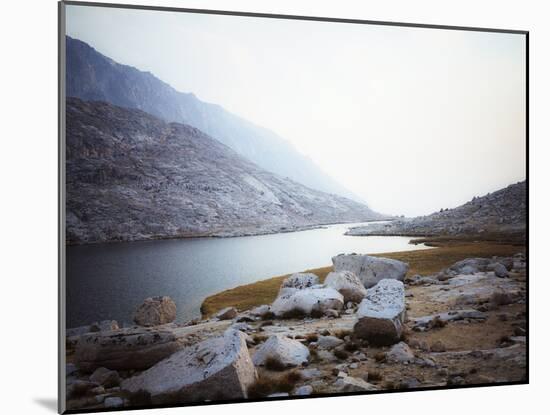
[[132, 176], [92, 76], [503, 211]]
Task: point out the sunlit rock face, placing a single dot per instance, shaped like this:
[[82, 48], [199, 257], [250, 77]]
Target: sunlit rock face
[[131, 176]]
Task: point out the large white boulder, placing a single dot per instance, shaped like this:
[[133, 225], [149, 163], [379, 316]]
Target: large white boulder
[[316, 300], [217, 368], [381, 314], [124, 349], [155, 311], [286, 351], [347, 284], [371, 269]]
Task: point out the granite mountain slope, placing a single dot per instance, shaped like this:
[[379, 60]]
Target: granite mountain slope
[[92, 76], [501, 212], [131, 176]]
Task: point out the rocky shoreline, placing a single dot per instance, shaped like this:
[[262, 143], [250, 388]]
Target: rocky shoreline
[[500, 212], [369, 327], [235, 233]]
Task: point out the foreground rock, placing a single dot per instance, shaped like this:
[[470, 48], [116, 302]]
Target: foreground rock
[[329, 342], [400, 353], [427, 322], [369, 269], [473, 265], [315, 301], [347, 284], [500, 271], [113, 402], [105, 325], [381, 314], [155, 311], [217, 368], [474, 289], [351, 384], [73, 334], [283, 350], [125, 349], [227, 313], [105, 377], [304, 390]]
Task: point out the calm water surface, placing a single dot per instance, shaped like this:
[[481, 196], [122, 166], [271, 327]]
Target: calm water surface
[[108, 281]]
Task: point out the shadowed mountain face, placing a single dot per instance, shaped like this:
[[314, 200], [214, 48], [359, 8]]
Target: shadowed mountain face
[[132, 176], [92, 76], [500, 212]]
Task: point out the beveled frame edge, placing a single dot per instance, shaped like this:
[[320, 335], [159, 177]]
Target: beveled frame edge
[[290, 17], [62, 292]]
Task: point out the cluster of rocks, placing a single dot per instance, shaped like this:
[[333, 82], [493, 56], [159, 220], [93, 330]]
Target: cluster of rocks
[[500, 266], [347, 285], [348, 334], [503, 211]]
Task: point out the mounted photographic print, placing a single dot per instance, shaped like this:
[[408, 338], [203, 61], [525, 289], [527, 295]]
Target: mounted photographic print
[[262, 207]]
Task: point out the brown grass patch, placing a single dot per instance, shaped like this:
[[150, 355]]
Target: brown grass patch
[[274, 364], [374, 375], [431, 261], [438, 323], [380, 357], [261, 388], [266, 385]]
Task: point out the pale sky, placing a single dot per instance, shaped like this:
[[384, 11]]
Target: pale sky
[[412, 120]]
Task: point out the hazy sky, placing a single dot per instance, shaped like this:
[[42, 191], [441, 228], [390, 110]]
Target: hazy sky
[[410, 119]]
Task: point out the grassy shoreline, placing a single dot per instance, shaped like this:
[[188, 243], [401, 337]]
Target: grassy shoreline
[[424, 262]]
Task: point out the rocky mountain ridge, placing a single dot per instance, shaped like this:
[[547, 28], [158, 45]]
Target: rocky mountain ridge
[[92, 76], [503, 211], [131, 176]]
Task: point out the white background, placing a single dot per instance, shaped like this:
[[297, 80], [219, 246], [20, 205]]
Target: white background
[[28, 163]]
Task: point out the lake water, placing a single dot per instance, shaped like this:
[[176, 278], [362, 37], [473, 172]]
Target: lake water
[[108, 281]]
